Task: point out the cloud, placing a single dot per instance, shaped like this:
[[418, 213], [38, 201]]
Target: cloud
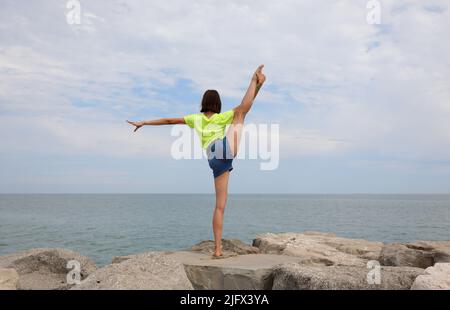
[[336, 85]]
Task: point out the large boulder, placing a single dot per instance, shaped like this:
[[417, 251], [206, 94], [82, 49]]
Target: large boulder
[[435, 278], [9, 279], [440, 249], [204, 277], [420, 254], [301, 277], [45, 268], [240, 272], [146, 271], [314, 248]]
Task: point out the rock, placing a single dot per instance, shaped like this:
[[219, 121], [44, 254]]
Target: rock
[[119, 259], [307, 260], [45, 268], [146, 271], [229, 246], [320, 248], [435, 278], [9, 279], [241, 272], [301, 277], [220, 278], [397, 254], [420, 254]]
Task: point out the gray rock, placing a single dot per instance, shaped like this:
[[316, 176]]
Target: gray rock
[[222, 278], [316, 248], [440, 249], [229, 246], [240, 272], [119, 259], [435, 278], [301, 277], [307, 260], [9, 279], [397, 254], [420, 254], [45, 268], [146, 271]]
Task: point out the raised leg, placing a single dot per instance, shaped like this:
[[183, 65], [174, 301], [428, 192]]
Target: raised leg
[[234, 132]]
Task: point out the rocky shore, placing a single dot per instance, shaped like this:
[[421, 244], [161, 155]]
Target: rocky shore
[[287, 261]]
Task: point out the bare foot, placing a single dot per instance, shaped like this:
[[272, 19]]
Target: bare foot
[[217, 251], [217, 256], [222, 255]]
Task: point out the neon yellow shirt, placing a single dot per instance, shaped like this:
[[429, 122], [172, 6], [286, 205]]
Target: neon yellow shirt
[[209, 129]]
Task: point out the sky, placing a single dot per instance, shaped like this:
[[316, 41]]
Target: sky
[[361, 107]]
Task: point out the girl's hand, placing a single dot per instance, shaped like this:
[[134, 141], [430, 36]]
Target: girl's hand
[[137, 124], [255, 75], [261, 78], [258, 76]]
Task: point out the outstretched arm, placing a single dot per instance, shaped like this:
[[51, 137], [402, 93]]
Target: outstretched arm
[[258, 87], [156, 122], [256, 83]]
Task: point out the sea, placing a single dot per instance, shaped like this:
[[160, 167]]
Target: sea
[[102, 226]]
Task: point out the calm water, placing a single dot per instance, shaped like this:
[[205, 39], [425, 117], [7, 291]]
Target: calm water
[[103, 226]]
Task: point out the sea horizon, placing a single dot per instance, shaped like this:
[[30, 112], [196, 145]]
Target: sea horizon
[[230, 193]]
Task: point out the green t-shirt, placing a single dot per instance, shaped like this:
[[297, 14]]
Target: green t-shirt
[[209, 129]]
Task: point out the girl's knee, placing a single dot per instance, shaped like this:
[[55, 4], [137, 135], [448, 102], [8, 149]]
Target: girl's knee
[[221, 206]]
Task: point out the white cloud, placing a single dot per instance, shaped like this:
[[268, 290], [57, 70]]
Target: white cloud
[[391, 99]]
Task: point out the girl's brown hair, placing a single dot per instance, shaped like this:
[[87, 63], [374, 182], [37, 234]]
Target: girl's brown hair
[[211, 102]]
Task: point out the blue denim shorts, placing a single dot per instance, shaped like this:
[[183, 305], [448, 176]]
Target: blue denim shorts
[[220, 158]]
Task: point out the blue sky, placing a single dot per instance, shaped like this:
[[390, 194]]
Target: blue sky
[[362, 108]]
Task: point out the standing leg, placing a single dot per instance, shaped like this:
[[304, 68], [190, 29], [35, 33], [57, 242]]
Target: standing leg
[[221, 186]]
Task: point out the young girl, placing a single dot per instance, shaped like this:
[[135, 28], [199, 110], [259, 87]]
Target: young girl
[[221, 148]]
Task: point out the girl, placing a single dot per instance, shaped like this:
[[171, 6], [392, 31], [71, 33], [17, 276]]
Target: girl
[[221, 148]]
